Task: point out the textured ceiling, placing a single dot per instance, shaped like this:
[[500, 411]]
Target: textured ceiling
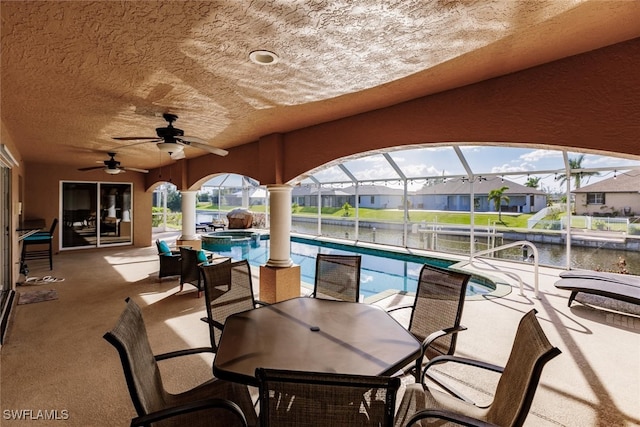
[[76, 73]]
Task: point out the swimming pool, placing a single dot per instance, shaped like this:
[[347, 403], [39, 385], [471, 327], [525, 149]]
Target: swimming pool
[[380, 270]]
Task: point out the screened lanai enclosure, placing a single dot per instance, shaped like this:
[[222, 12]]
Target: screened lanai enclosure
[[579, 210]]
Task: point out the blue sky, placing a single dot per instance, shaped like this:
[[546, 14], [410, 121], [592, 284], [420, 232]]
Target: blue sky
[[418, 163], [518, 164]]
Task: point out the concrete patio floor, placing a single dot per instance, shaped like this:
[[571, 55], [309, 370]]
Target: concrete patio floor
[[54, 356]]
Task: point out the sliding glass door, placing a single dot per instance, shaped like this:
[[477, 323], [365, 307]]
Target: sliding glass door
[[96, 214]]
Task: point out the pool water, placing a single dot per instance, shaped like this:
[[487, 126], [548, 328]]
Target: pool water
[[380, 270]]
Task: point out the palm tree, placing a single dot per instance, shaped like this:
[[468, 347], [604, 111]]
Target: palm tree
[[532, 182], [576, 176], [497, 196]]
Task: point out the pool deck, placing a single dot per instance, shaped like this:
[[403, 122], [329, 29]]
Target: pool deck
[[591, 388], [54, 356]]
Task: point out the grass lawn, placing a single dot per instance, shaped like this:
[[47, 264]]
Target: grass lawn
[[394, 215], [509, 220]]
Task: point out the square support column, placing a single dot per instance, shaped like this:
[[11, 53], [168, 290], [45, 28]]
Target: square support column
[[195, 244], [279, 283]]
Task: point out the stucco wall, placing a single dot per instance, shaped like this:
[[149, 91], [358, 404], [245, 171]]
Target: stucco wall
[[42, 196], [614, 202]]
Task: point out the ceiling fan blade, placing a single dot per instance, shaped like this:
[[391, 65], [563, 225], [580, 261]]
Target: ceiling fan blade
[[192, 139], [91, 168], [134, 138], [135, 170], [177, 155], [207, 147]]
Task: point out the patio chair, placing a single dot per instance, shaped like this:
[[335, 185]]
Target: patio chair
[[41, 238], [228, 289], [212, 403], [306, 399], [110, 224], [337, 277], [436, 312], [169, 260], [190, 262], [513, 395]]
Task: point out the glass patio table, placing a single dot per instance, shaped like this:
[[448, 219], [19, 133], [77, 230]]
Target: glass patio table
[[313, 335]]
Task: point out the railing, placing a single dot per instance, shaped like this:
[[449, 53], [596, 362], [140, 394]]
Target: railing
[[508, 273], [531, 222], [603, 223]]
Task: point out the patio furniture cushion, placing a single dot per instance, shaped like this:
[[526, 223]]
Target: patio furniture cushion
[[163, 248], [202, 256]]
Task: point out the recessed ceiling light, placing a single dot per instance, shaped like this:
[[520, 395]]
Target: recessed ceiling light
[[263, 57]]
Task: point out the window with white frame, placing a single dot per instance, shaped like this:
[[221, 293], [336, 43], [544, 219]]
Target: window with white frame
[[595, 198]]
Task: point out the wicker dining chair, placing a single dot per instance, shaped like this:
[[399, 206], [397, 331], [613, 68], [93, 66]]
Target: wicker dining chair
[[212, 403], [337, 277], [169, 260], [436, 312], [190, 268], [530, 352], [310, 399]]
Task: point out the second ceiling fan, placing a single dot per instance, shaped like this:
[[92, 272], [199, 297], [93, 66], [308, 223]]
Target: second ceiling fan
[[172, 140], [112, 166]]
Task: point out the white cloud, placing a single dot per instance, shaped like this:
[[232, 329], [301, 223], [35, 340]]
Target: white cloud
[[538, 155], [421, 170], [509, 168]]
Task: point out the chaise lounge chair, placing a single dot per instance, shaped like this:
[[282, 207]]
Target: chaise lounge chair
[[622, 287]]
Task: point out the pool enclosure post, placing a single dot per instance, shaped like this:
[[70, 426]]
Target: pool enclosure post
[[567, 166], [319, 232]]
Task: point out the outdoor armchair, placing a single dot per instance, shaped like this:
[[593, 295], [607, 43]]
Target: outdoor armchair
[[212, 403], [513, 395], [436, 312], [191, 260], [308, 399], [337, 277], [169, 260], [228, 289]]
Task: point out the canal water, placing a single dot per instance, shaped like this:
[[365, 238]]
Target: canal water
[[603, 257]]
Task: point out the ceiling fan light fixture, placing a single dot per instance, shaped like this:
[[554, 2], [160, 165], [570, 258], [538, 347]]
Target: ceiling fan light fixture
[[169, 147], [110, 171], [263, 57]]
